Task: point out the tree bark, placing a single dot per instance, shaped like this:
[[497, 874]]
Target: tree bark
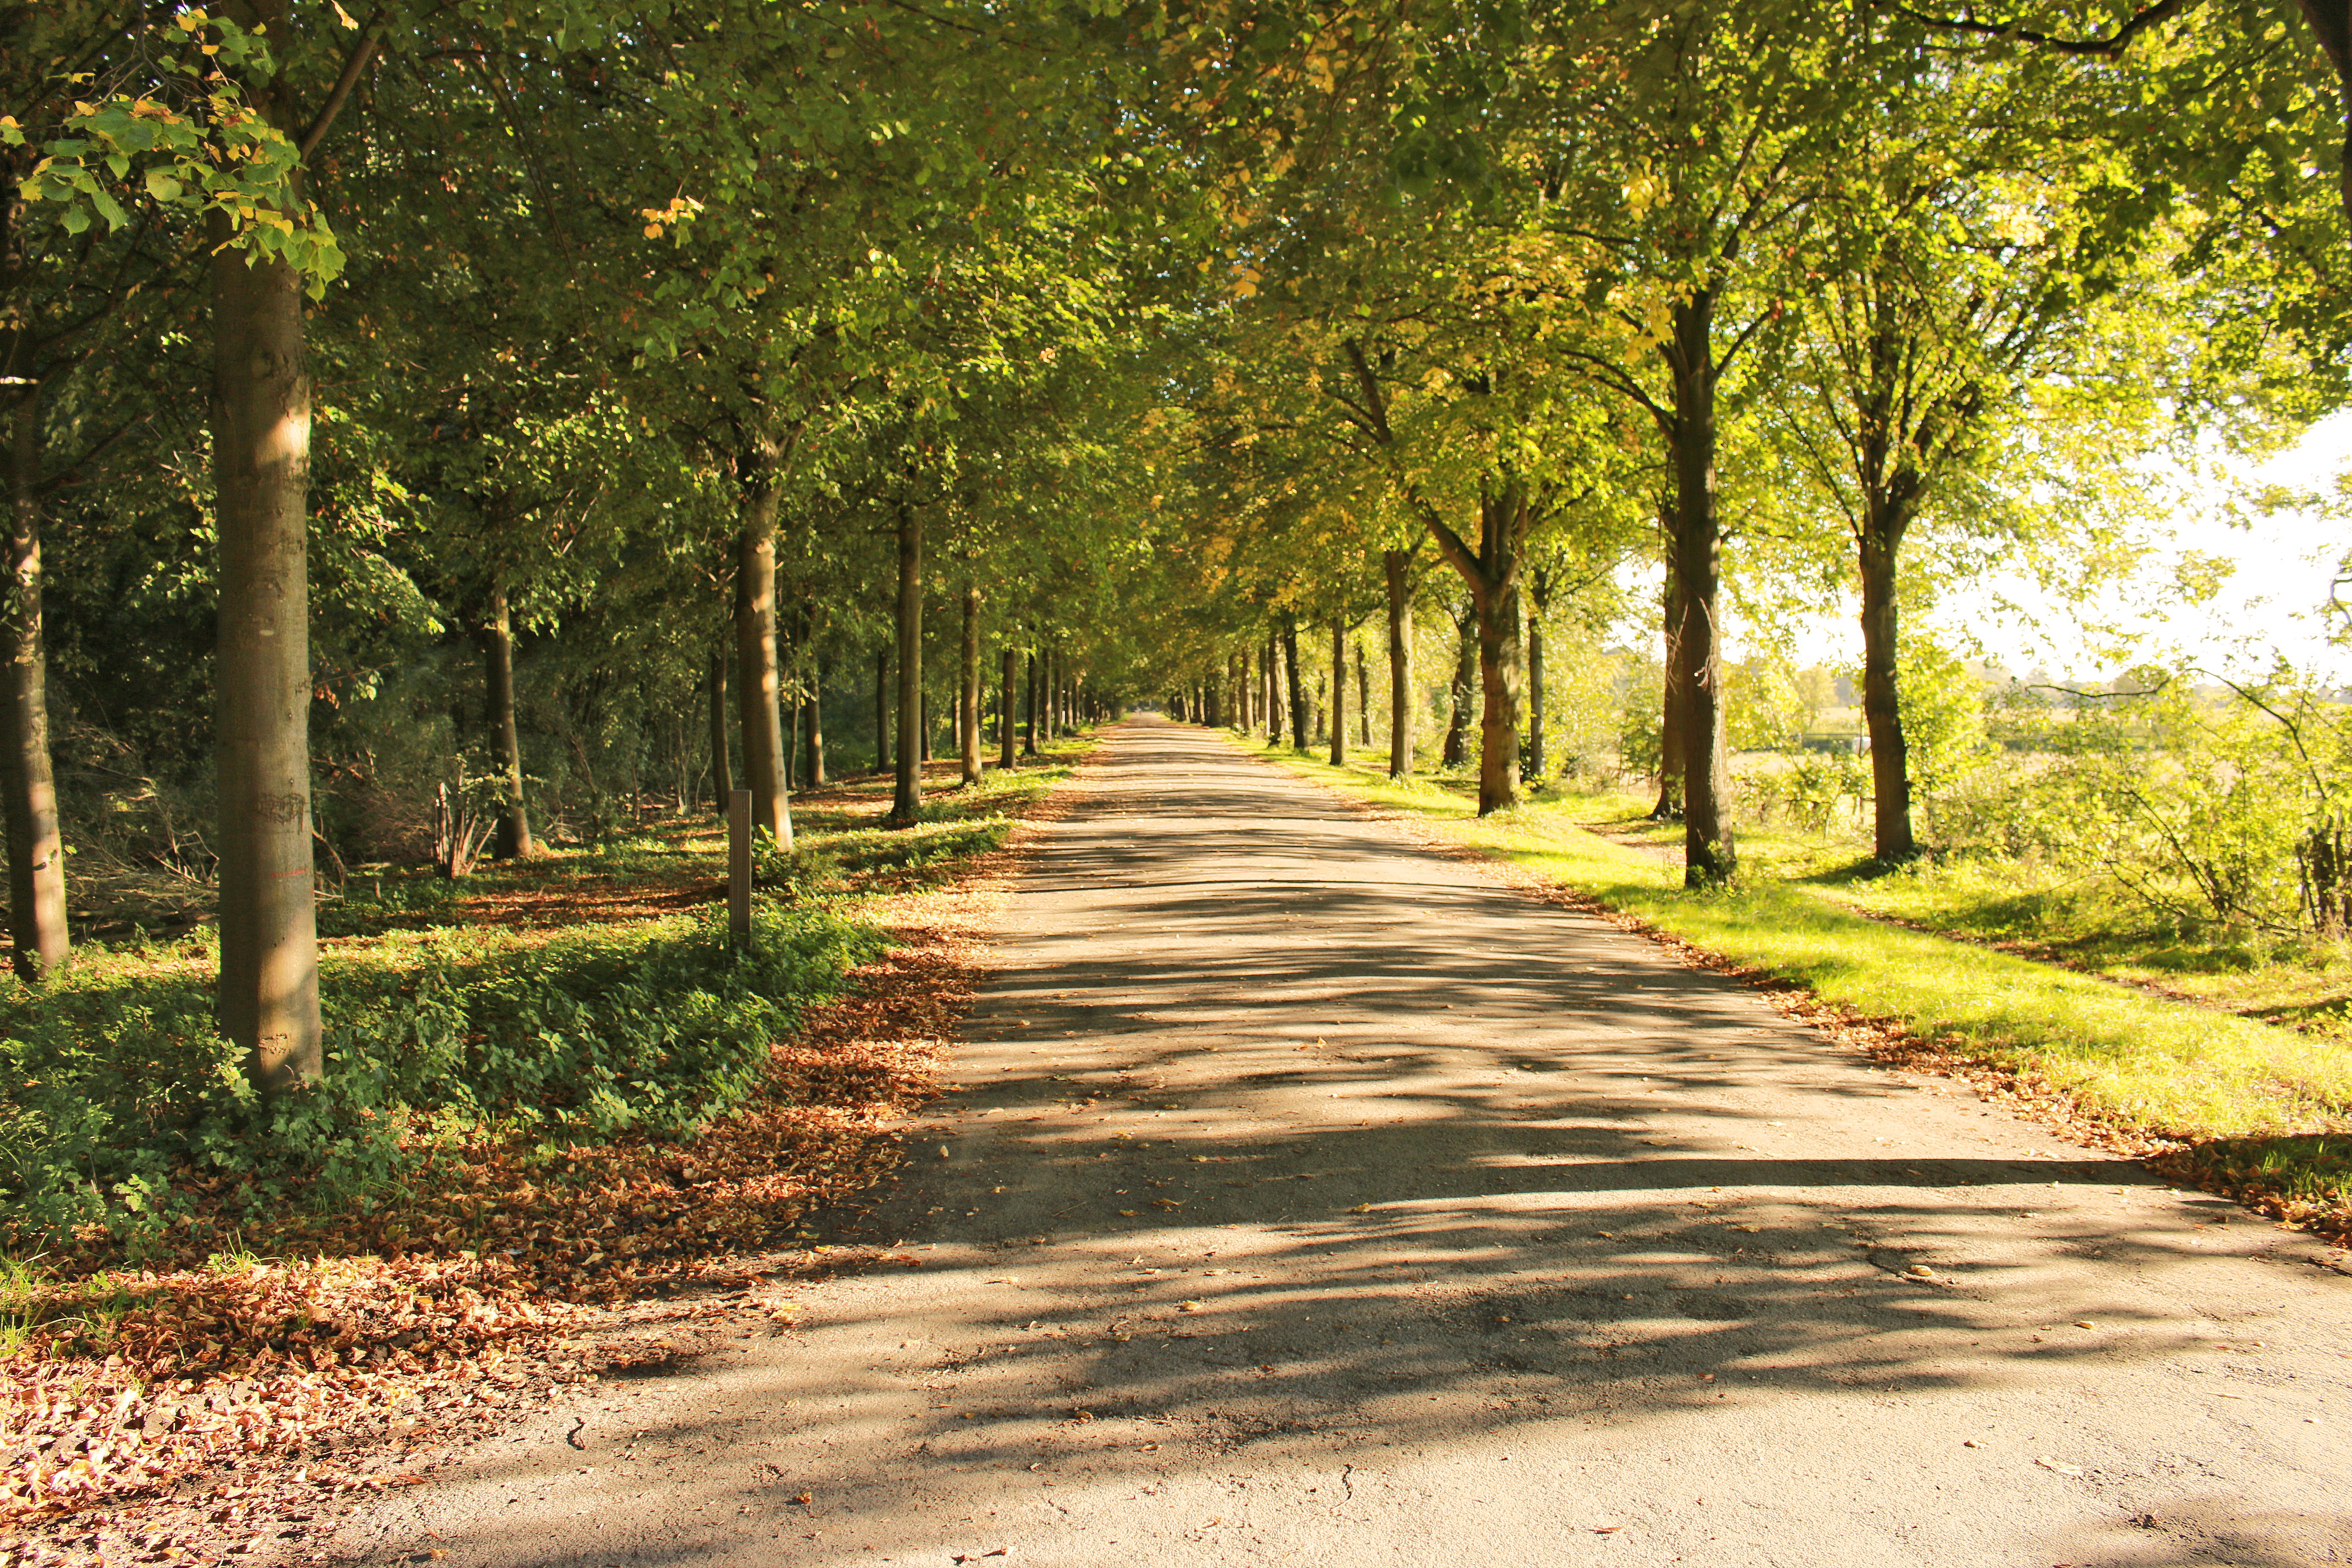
[[1882, 708], [1269, 682], [816, 723], [1029, 738], [2331, 22], [1536, 761], [1339, 692], [968, 742], [1500, 674], [1709, 855], [1466, 668], [1673, 686], [511, 840], [791, 709], [269, 998], [36, 863], [882, 712], [1006, 711], [759, 681], [906, 800], [722, 772], [1300, 733], [1397, 566], [1363, 697]]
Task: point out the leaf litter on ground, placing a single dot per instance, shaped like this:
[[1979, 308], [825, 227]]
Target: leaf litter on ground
[[179, 1411]]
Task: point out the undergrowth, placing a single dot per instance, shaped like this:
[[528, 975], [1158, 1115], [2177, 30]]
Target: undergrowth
[[128, 1129], [124, 1108]]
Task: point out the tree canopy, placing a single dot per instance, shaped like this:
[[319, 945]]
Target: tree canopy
[[402, 399]]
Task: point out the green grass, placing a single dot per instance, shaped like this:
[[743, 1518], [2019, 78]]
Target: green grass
[[2272, 1105]]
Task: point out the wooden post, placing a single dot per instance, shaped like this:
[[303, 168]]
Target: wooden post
[[738, 865]]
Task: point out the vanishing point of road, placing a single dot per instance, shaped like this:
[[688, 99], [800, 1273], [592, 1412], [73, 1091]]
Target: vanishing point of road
[[1311, 1198]]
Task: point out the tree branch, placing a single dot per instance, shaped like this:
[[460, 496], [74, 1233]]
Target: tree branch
[[371, 39], [2109, 47]]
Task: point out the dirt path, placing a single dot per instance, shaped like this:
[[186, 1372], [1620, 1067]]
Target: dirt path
[[1309, 1198]]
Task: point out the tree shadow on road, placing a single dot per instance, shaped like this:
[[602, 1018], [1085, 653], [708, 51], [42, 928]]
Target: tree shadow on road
[[1349, 1161]]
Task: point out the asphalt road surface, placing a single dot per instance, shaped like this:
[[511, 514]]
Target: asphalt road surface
[[1311, 1198]]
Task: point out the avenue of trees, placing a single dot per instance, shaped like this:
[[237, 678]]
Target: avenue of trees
[[567, 406]]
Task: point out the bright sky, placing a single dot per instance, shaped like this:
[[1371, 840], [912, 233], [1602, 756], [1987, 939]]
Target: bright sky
[[2271, 604]]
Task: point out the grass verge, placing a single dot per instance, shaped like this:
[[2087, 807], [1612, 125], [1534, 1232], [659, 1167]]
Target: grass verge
[[2261, 1112], [552, 1089]]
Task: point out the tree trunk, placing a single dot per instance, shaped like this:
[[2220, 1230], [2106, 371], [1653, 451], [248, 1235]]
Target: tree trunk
[[1882, 708], [758, 683], [511, 840], [969, 740], [723, 774], [2331, 23], [268, 1000], [816, 723], [906, 800], [36, 862], [1674, 689], [1709, 855], [1270, 685], [882, 712], [1397, 564], [1009, 676], [1363, 697], [1466, 666], [1300, 733], [1339, 692], [1536, 759], [792, 731], [1029, 738], [1500, 672]]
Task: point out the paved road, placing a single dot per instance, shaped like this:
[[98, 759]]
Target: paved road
[[1311, 1199]]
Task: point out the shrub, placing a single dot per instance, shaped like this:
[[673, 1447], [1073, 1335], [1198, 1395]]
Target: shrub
[[119, 1095]]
